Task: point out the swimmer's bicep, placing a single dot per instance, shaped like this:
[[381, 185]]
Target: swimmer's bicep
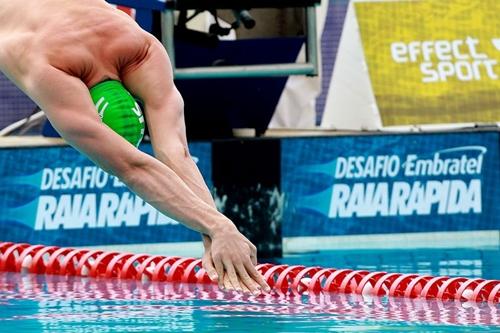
[[67, 103]]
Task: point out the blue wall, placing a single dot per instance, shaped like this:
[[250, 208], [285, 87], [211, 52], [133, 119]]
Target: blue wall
[[429, 182], [350, 185], [57, 196]]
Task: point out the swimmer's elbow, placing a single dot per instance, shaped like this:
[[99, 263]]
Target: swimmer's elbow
[[131, 170]]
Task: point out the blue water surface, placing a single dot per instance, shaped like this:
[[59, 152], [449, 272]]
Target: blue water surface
[[38, 303]]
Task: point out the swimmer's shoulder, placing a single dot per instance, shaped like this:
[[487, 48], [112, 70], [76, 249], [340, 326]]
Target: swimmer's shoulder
[[18, 52]]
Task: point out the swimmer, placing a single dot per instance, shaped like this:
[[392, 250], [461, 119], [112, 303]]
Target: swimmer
[[66, 55]]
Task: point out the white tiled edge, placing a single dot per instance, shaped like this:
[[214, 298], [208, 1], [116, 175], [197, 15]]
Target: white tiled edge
[[438, 240]]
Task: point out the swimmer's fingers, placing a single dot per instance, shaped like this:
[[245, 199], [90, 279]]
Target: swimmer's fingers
[[249, 284], [233, 277], [254, 260], [219, 268], [227, 284], [253, 254], [245, 288], [257, 277], [209, 266]]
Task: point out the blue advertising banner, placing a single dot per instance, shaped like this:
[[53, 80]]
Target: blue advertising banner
[[391, 184], [57, 196]]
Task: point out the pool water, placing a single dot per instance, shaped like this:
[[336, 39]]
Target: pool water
[[37, 303]]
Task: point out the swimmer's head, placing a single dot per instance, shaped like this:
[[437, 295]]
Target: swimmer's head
[[119, 110]]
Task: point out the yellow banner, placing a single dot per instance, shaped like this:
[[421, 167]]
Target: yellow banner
[[434, 61]]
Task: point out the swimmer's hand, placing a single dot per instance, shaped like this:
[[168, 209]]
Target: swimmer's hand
[[209, 267], [206, 261], [234, 258]]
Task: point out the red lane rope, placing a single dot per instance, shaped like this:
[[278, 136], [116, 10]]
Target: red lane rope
[[283, 279]]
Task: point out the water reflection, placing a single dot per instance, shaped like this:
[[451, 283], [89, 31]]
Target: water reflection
[[55, 300]]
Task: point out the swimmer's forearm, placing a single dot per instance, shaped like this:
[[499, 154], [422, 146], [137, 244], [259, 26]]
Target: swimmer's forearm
[[161, 187], [184, 166], [186, 169]]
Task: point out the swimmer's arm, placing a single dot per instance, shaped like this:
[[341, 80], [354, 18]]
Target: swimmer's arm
[[232, 254], [68, 105], [168, 137]]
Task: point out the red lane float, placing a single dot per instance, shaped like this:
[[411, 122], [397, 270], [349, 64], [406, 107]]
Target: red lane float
[[284, 279]]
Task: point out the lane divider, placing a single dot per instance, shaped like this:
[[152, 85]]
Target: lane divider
[[284, 279]]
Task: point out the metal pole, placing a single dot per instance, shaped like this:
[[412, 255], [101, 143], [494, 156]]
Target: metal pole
[[312, 40], [273, 70], [310, 68], [167, 33]]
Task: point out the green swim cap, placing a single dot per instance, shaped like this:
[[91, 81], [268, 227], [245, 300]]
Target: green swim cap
[[119, 110]]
